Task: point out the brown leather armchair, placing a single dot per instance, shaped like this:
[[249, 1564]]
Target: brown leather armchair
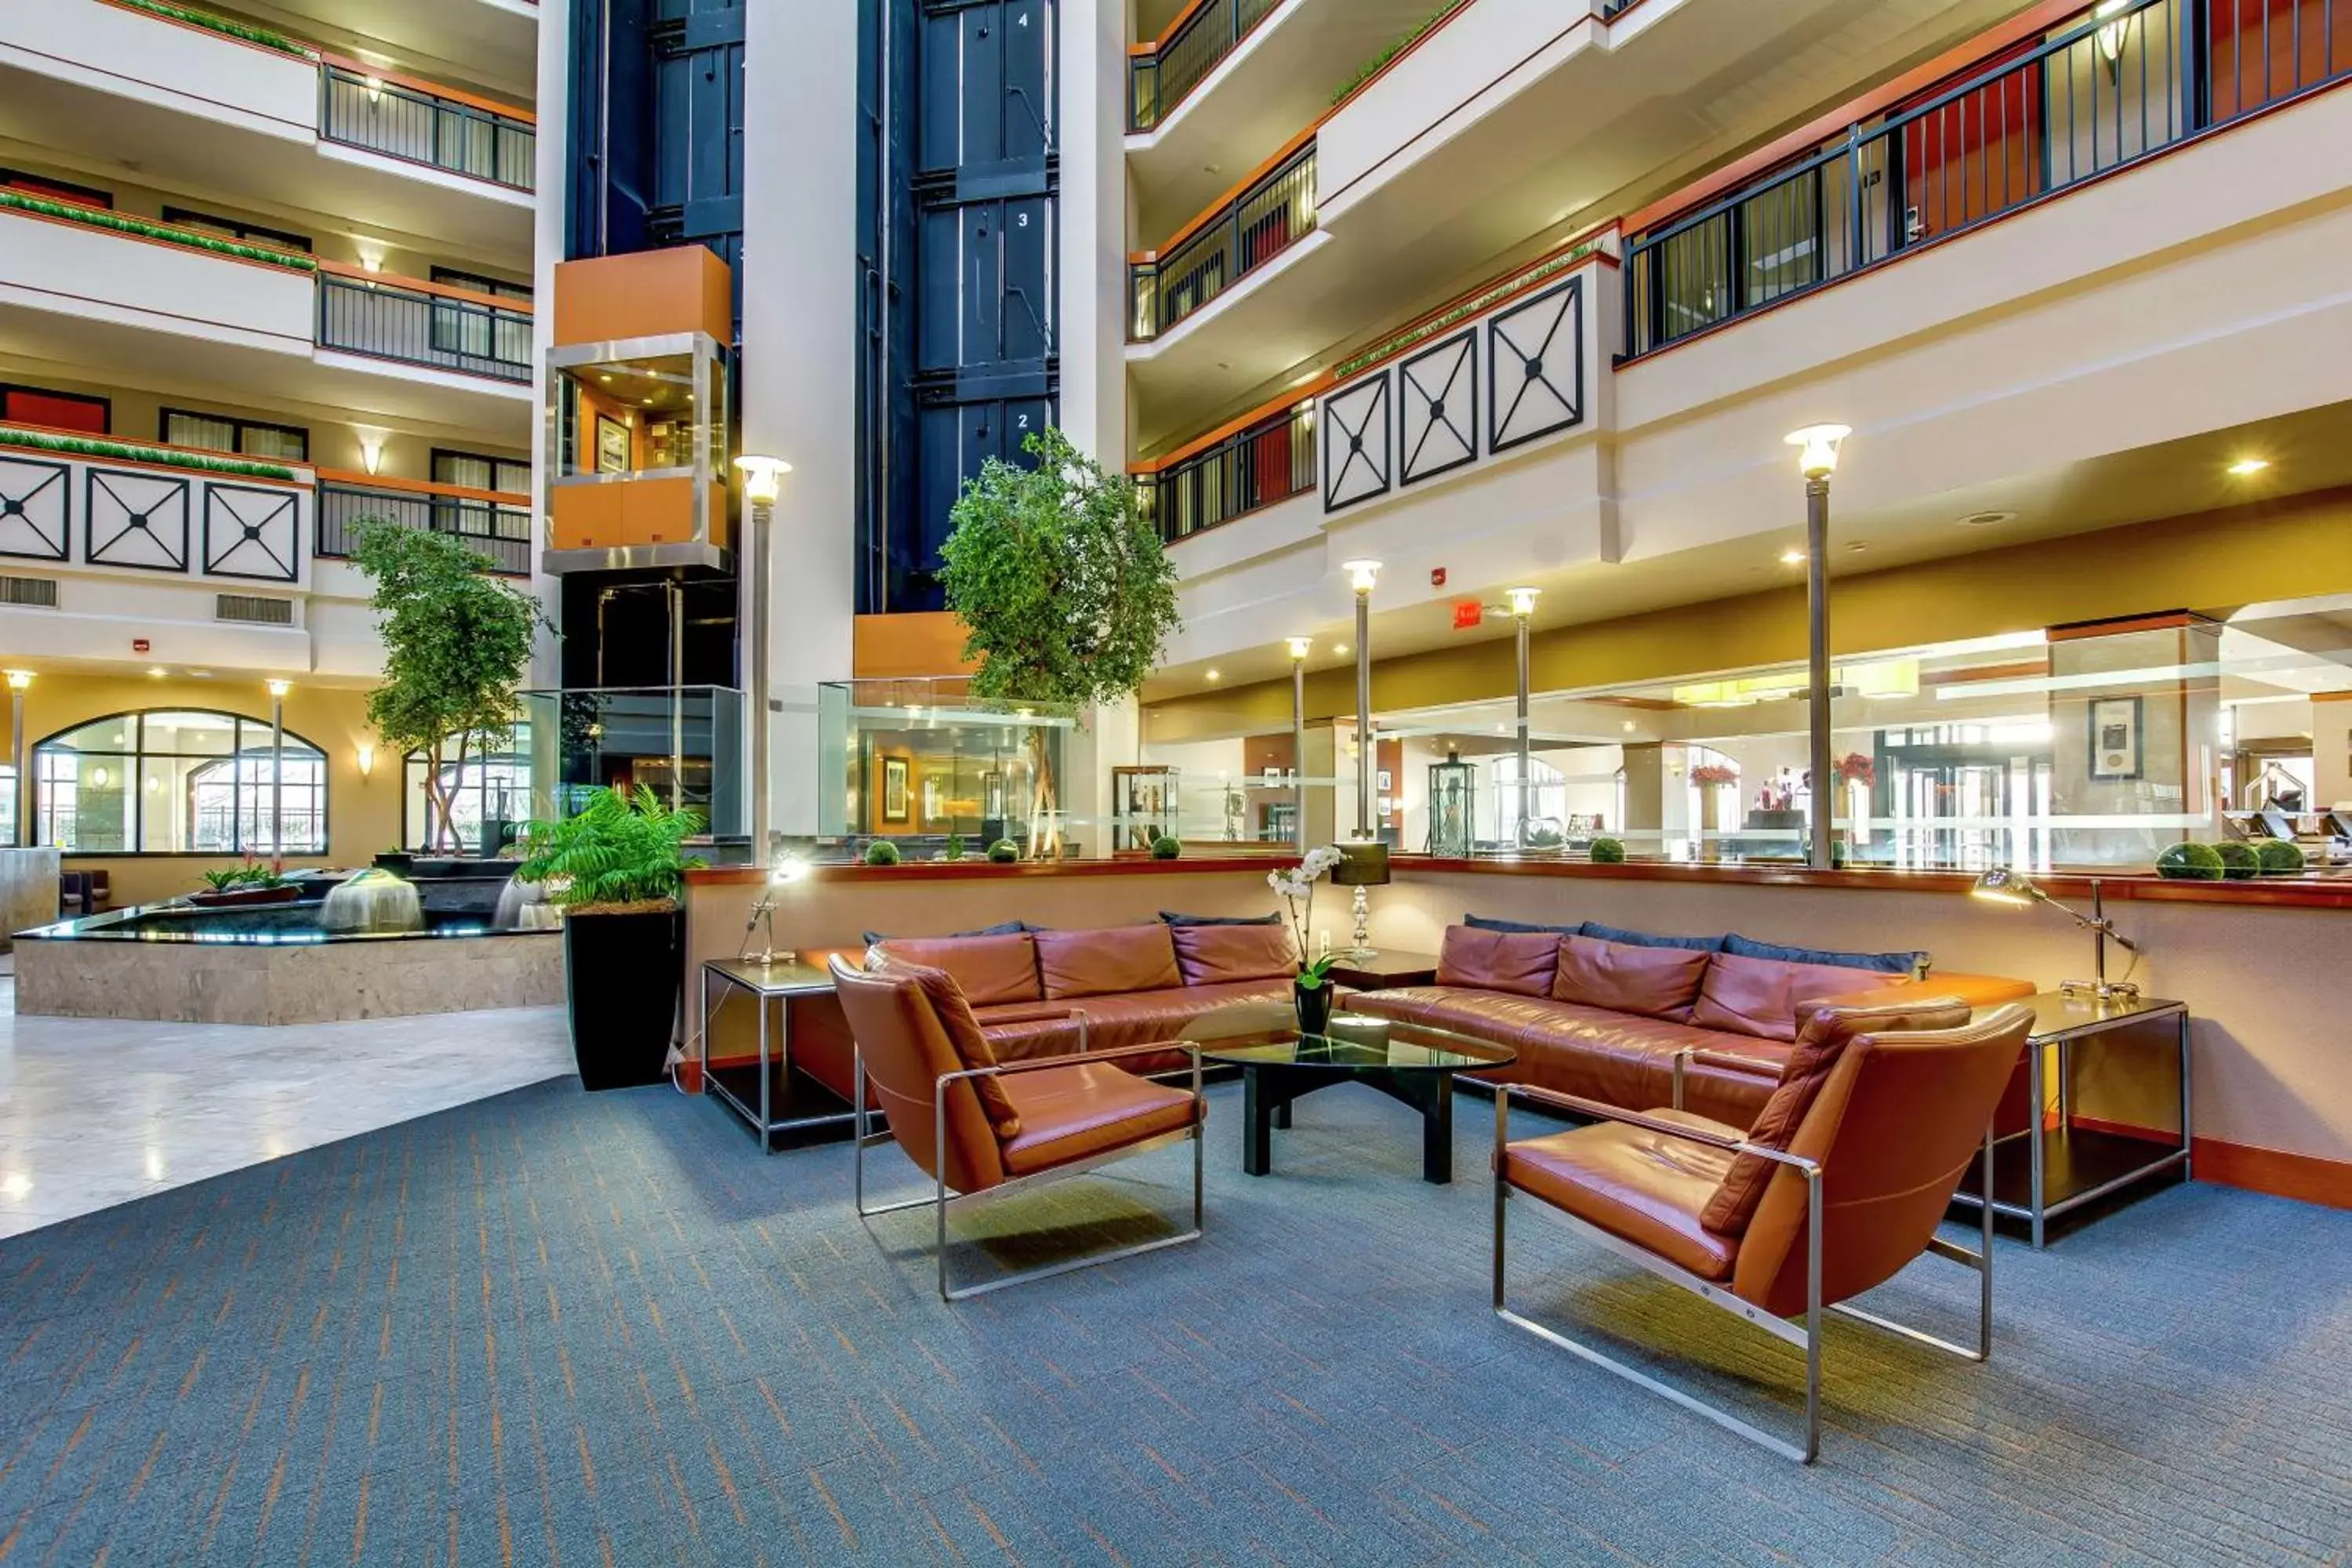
[[981, 1128], [1840, 1184]]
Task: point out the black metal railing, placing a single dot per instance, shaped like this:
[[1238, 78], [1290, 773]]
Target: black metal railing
[[1254, 466], [2105, 89], [393, 320], [407, 123], [1158, 82], [1251, 229], [499, 532]]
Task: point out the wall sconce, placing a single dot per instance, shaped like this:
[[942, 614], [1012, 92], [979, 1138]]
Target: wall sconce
[[375, 94], [370, 448], [2111, 37], [367, 758], [370, 257]]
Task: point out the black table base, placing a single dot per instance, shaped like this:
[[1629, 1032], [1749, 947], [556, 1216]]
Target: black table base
[[1268, 1090]]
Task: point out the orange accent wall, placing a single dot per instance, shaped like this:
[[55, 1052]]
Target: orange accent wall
[[920, 643], [645, 294], [632, 512]]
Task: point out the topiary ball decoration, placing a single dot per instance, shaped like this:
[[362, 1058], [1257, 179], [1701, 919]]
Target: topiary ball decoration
[[1608, 852], [881, 852], [1004, 852], [2189, 862], [1166, 847], [2239, 861], [2279, 857]]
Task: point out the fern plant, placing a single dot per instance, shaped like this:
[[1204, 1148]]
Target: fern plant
[[621, 854]]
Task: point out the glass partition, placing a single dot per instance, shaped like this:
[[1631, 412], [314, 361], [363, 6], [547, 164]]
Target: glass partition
[[919, 760], [683, 743]]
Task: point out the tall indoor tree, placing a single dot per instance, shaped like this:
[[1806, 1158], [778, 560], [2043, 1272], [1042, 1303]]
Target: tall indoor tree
[[457, 645], [1064, 590]]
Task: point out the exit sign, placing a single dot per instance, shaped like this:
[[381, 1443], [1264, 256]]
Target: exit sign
[[1467, 613]]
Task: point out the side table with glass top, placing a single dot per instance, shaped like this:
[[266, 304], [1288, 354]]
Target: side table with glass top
[[1410, 1063], [760, 1089], [2125, 1056]]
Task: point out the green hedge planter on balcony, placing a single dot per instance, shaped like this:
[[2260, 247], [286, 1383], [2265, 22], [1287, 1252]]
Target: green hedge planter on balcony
[[78, 447], [99, 217], [246, 31]]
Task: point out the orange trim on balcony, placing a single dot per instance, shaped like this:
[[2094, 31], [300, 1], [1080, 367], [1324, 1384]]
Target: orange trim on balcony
[[364, 481], [421, 286], [432, 88], [1135, 51]]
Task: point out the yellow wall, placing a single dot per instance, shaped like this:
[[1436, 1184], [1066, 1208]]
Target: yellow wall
[[362, 813], [2209, 562]]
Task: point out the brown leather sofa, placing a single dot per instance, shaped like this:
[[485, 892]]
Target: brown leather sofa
[[1031, 991], [1606, 1020]]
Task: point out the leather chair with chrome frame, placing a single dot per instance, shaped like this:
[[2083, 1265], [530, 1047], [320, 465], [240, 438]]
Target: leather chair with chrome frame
[[1841, 1183], [982, 1129]]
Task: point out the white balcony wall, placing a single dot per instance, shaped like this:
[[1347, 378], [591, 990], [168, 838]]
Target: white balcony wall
[[193, 71], [103, 275]]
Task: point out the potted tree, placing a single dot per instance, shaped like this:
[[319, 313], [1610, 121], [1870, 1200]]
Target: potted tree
[[615, 869], [1064, 590], [456, 643]]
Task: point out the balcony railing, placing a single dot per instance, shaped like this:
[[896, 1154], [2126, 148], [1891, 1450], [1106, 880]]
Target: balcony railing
[[445, 330], [2113, 85], [1267, 462], [1215, 252], [497, 529], [1160, 78], [415, 123]]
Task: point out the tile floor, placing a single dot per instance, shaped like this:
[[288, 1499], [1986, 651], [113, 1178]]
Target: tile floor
[[96, 1111]]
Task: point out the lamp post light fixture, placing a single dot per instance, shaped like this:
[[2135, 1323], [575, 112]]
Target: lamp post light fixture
[[2002, 886], [764, 481], [1299, 648], [1817, 460], [1523, 609], [19, 681], [1361, 575], [277, 690]]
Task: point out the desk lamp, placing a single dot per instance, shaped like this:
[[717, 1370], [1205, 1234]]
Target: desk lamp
[[2003, 886]]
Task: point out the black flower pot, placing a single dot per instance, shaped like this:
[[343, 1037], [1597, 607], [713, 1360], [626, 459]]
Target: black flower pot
[[1313, 1007], [622, 978]]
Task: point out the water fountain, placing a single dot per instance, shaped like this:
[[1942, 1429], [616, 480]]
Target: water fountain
[[373, 902]]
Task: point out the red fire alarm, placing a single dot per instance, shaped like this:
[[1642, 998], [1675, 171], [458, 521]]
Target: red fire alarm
[[138, 645], [1437, 576], [1468, 613]]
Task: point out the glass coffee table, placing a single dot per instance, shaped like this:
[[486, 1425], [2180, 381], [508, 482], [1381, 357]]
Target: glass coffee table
[[1409, 1062]]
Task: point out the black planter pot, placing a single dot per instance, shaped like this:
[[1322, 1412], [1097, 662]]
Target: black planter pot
[[621, 979], [1313, 1007]]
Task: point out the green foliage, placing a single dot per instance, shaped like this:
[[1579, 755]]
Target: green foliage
[[206, 19], [2189, 862], [252, 873], [125, 223], [1545, 838], [2278, 857], [1166, 847], [77, 446], [455, 645], [1059, 578], [1397, 46], [882, 852], [2239, 861], [1608, 852], [1314, 976], [619, 850], [1004, 852], [954, 850]]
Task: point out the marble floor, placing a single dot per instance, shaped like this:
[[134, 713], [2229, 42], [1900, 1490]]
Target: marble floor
[[97, 1111]]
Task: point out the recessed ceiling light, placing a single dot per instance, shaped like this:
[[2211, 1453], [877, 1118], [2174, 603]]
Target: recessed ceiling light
[[157, 672], [601, 376], [1628, 726], [2245, 466], [1339, 647], [1792, 558], [1857, 546], [1985, 518], [1216, 675]]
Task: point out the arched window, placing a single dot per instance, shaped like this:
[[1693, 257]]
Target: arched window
[[1547, 795], [494, 781], [178, 781]]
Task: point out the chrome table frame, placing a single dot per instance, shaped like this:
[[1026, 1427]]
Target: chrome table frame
[[761, 1118], [1807, 1338], [941, 1202]]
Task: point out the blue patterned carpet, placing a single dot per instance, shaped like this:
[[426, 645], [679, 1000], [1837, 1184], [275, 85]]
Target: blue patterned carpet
[[553, 1328]]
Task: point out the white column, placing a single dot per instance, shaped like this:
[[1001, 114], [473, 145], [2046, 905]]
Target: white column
[[800, 361], [1089, 135], [551, 168]]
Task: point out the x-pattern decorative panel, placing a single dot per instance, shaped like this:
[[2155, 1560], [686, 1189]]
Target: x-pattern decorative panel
[[1356, 453], [1535, 356], [35, 501], [1438, 408], [136, 520], [251, 533]]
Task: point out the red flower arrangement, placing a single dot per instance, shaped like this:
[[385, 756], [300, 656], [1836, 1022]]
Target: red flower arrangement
[[1714, 774], [1855, 768]]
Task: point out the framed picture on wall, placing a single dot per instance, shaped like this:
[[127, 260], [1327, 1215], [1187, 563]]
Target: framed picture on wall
[[893, 789], [612, 446], [1270, 778], [1386, 782], [2117, 750]]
